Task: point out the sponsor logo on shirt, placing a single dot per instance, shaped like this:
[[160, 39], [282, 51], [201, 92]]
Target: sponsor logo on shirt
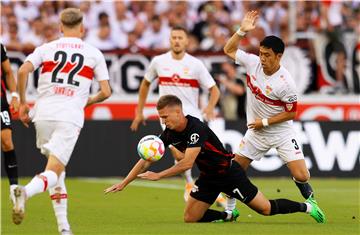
[[194, 138], [292, 98]]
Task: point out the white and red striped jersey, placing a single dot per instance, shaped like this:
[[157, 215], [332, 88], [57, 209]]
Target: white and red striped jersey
[[182, 78], [67, 68], [267, 95]]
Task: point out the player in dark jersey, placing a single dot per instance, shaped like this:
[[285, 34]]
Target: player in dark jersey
[[196, 143], [7, 146]]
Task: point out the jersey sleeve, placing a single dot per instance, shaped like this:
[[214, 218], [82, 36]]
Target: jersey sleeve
[[288, 95], [205, 78], [151, 73], [165, 137], [35, 58], [100, 71], [246, 59], [197, 136], [3, 53]]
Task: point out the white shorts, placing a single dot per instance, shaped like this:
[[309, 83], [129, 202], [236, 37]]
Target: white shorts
[[254, 146], [57, 139]]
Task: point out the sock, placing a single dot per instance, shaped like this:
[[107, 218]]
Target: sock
[[41, 183], [58, 195], [188, 176], [212, 215], [308, 207], [230, 203], [11, 168], [285, 206], [305, 188]]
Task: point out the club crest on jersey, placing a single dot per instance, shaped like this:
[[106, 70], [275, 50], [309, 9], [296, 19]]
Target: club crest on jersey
[[194, 138], [175, 77], [289, 106], [268, 89], [186, 71]]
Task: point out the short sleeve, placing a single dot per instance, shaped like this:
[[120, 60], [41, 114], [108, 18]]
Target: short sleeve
[[288, 95], [205, 79], [35, 58], [246, 59], [3, 53], [151, 73], [101, 72], [197, 137]]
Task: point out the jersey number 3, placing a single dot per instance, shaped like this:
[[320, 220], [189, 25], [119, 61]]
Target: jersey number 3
[[61, 56]]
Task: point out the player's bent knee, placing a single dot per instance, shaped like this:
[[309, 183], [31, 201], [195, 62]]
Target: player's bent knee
[[302, 176], [188, 218]]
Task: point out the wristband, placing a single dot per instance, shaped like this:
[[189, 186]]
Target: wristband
[[265, 122], [15, 94], [240, 33]]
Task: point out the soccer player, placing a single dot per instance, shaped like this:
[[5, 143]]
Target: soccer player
[[7, 145], [196, 143], [271, 106], [182, 75], [67, 68]]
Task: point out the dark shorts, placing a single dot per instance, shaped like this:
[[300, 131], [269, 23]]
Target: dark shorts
[[5, 117], [235, 184]]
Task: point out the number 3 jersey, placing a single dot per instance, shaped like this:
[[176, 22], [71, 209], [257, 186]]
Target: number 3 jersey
[[67, 67], [267, 96]]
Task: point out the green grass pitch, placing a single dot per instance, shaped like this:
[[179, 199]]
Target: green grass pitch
[[157, 208]]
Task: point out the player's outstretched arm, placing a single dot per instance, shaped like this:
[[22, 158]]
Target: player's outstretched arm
[[139, 167], [247, 24], [103, 94], [23, 74], [186, 163], [139, 116]]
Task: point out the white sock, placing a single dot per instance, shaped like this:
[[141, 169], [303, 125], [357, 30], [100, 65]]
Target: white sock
[[41, 183], [308, 207], [58, 195], [188, 176], [230, 203]]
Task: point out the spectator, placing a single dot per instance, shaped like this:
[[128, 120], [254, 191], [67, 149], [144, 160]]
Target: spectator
[[156, 36], [101, 38]]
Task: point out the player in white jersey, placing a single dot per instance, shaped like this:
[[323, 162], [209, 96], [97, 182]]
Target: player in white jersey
[[271, 106], [67, 68], [179, 74]]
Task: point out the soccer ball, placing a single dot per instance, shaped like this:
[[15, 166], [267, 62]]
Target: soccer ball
[[151, 148]]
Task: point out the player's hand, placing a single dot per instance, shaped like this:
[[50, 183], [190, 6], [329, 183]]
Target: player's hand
[[115, 188], [248, 23], [208, 114], [139, 118], [257, 125], [24, 114], [149, 175], [14, 104]]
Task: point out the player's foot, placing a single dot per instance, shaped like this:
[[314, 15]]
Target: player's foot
[[12, 194], [188, 188], [234, 215], [316, 212], [221, 201], [66, 232], [19, 205]]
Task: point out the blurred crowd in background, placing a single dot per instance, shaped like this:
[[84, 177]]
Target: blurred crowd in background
[[138, 25]]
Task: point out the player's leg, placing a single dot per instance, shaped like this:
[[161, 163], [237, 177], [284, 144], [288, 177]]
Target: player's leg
[[58, 195], [202, 196], [7, 147], [10, 161], [251, 148], [290, 152]]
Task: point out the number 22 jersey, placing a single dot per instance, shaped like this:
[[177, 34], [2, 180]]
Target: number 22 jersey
[[67, 68]]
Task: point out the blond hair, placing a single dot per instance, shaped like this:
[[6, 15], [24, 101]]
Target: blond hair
[[71, 17]]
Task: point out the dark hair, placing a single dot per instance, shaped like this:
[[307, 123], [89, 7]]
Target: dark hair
[[179, 27], [274, 43], [168, 100]]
